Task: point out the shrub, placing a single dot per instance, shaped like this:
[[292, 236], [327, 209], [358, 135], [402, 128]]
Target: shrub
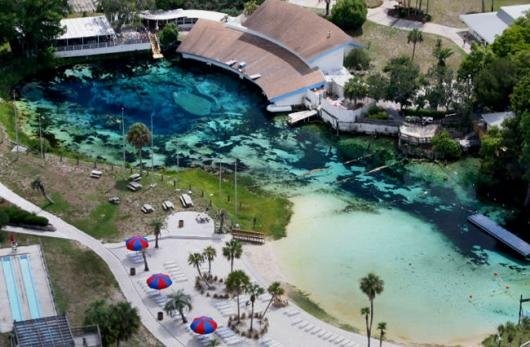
[[424, 113], [349, 14], [169, 36], [357, 59], [249, 7], [445, 147], [17, 216], [375, 112]]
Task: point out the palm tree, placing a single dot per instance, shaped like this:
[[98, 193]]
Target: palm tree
[[196, 259], [371, 285], [39, 186], [441, 54], [365, 312], [157, 225], [178, 301], [139, 136], [125, 320], [146, 267], [415, 36], [236, 282], [254, 290], [209, 253], [233, 249], [275, 290], [382, 331]]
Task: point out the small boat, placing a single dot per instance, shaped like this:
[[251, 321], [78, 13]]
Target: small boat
[[275, 108]]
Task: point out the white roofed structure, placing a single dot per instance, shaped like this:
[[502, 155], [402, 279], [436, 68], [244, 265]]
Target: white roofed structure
[[487, 26], [180, 13], [85, 27]]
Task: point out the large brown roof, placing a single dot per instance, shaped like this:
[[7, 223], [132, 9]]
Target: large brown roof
[[300, 30], [281, 71]]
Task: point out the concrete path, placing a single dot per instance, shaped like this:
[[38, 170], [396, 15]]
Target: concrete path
[[129, 291], [380, 16]]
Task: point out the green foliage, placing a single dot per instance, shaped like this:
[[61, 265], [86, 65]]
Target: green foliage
[[101, 223], [415, 36], [31, 25], [4, 218], [520, 98], [509, 334], [403, 80], [250, 7], [445, 147], [355, 89], [169, 36], [169, 4], [516, 38], [475, 61], [178, 302], [357, 59], [376, 86], [377, 113], [121, 12], [349, 14], [441, 54], [117, 322], [495, 83], [18, 216]]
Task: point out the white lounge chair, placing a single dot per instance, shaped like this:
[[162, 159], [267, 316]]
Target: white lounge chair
[[96, 174]]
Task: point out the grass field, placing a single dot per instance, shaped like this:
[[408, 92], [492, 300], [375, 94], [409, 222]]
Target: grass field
[[447, 11], [69, 263], [384, 43]]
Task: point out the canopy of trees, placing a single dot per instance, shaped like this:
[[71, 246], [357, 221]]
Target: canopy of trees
[[31, 25], [349, 14], [169, 36]]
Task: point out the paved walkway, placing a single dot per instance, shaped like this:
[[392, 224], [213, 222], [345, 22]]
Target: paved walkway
[[380, 16], [131, 294]]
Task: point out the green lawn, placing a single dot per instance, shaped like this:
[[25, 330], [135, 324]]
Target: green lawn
[[384, 43], [447, 11], [272, 212], [101, 223]]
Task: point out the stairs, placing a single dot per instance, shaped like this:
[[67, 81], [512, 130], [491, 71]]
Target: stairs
[[155, 46]]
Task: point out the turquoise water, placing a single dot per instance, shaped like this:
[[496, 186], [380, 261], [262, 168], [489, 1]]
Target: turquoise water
[[12, 292], [445, 281], [29, 287]]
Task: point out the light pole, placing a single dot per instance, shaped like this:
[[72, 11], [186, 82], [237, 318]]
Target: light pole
[[152, 139], [235, 191], [123, 135], [16, 123]]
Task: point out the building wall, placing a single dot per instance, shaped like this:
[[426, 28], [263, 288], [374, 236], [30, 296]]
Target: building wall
[[145, 46], [330, 62]]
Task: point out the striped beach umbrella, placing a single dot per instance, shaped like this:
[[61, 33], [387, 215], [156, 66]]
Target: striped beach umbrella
[[136, 243], [159, 281], [203, 325]]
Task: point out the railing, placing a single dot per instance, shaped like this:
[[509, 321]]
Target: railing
[[120, 42], [86, 332]]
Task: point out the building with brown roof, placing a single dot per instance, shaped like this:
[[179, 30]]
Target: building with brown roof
[[283, 48]]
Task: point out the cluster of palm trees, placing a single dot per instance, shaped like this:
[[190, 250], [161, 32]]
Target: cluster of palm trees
[[232, 250], [372, 285]]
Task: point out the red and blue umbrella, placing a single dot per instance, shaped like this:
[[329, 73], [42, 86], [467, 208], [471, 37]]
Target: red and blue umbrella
[[137, 243], [203, 325], [159, 281]]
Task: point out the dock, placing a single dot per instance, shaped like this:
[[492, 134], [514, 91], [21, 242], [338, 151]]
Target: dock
[[501, 234], [248, 236], [155, 46], [297, 117]]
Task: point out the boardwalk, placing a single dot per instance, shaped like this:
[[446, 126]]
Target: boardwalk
[[300, 116], [501, 234]]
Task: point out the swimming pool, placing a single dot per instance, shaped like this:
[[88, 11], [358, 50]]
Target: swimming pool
[[31, 294], [12, 292], [10, 265]]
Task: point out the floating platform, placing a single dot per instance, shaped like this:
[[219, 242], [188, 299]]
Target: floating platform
[[501, 234], [300, 116]]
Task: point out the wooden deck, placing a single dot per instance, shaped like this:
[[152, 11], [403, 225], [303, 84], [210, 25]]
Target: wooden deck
[[248, 236], [300, 116], [501, 234]]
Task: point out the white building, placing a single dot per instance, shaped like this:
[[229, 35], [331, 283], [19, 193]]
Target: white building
[[485, 27], [283, 48], [88, 36], [184, 19]]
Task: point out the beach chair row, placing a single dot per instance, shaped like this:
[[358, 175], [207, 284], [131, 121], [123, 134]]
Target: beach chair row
[[153, 294], [323, 333], [271, 343], [226, 308], [135, 258], [228, 336], [175, 272]]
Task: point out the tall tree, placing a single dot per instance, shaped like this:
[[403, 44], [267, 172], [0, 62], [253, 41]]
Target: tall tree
[[415, 36], [139, 136], [236, 282], [38, 185], [349, 14], [118, 12], [233, 249], [441, 53], [381, 326], [31, 25], [403, 80], [371, 285], [209, 253], [125, 320], [254, 290], [275, 290], [196, 260], [157, 225], [179, 302], [365, 312], [355, 89], [98, 313]]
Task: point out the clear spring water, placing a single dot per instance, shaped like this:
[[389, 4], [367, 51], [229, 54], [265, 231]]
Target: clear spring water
[[445, 282]]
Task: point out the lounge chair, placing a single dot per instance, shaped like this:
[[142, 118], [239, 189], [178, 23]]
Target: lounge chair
[[135, 177], [96, 174], [146, 208], [134, 186]]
